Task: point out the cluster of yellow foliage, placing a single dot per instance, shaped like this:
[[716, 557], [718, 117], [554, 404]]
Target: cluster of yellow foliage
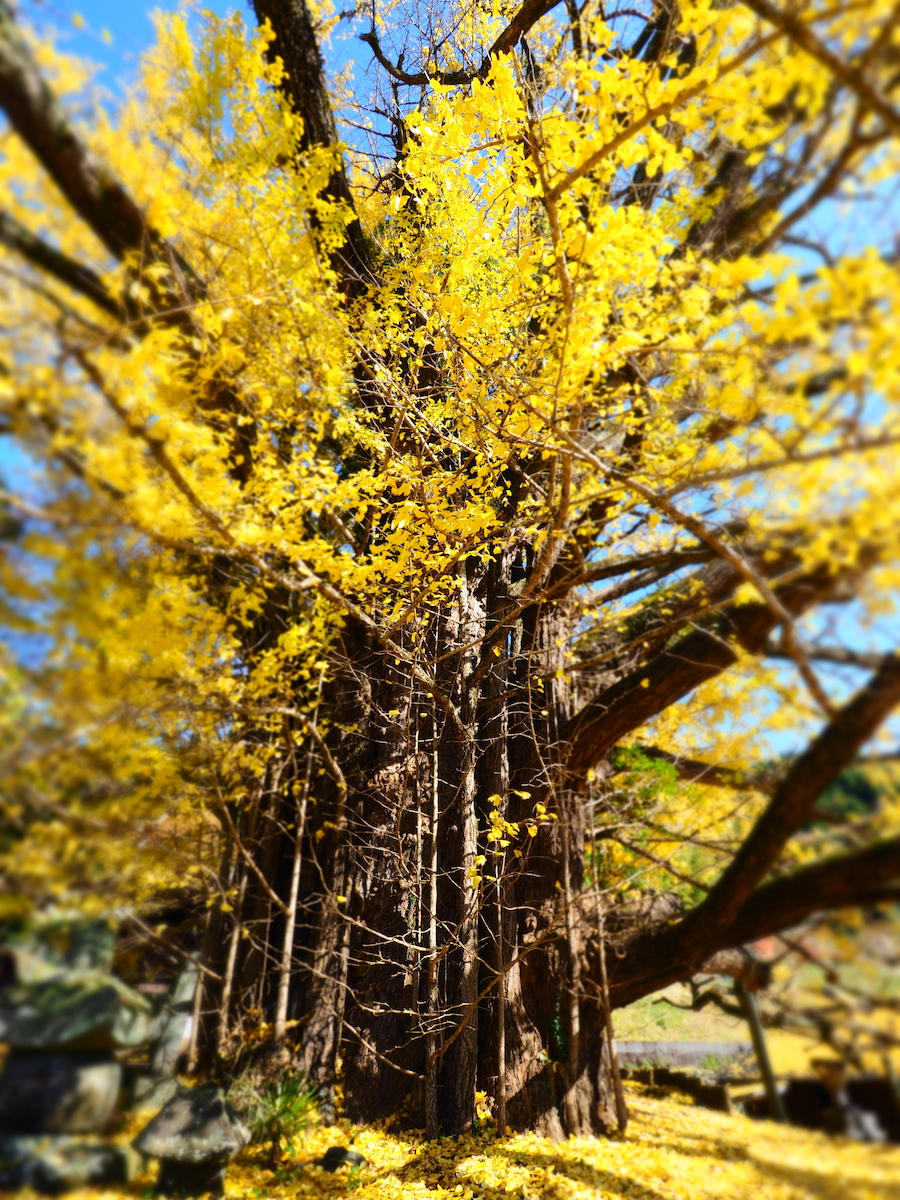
[[503, 222]]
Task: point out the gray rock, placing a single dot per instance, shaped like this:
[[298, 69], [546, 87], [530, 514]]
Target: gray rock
[[150, 1093], [54, 1164], [196, 1126], [185, 986], [77, 1012], [173, 1027], [58, 1093], [195, 1136], [58, 942], [340, 1156], [83, 944], [190, 1179]]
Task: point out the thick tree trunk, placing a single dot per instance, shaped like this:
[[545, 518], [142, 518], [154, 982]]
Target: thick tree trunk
[[427, 961]]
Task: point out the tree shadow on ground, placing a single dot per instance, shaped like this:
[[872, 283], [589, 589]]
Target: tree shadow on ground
[[445, 1162], [814, 1183]]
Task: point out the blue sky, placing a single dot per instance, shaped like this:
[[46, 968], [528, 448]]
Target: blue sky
[[114, 33], [128, 24]]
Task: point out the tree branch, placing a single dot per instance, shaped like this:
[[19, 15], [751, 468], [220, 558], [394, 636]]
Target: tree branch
[[693, 771], [651, 568], [93, 191], [851, 77], [660, 953], [527, 16], [297, 46], [868, 876], [697, 657], [825, 188], [47, 258], [43, 125], [113, 216], [792, 805], [833, 654], [741, 965]]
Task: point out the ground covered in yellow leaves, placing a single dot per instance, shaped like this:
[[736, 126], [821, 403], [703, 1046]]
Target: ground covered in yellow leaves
[[672, 1151]]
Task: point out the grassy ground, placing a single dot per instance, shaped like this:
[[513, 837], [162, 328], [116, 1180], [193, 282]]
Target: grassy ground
[[652, 1019], [672, 1151]]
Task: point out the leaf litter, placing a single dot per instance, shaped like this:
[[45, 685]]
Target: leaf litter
[[673, 1150]]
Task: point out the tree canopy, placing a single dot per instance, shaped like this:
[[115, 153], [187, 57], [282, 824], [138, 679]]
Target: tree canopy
[[446, 478]]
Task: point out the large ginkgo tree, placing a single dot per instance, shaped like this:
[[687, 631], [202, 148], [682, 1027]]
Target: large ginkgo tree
[[441, 477]]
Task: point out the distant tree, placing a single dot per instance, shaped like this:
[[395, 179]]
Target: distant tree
[[426, 523]]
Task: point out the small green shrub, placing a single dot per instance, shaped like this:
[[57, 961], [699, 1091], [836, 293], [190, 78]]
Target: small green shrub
[[713, 1063], [276, 1111]]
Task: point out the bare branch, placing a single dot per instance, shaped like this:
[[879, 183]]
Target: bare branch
[[650, 568], [691, 770], [870, 876], [793, 803], [833, 654], [527, 16]]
